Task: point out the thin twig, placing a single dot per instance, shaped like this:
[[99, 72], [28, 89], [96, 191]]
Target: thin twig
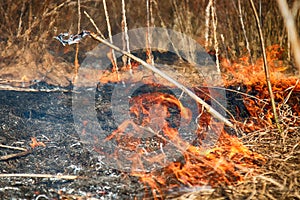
[[45, 14], [15, 155], [76, 62], [290, 93], [94, 24], [168, 78], [266, 68], [217, 102], [207, 24], [20, 20], [163, 24], [126, 37], [244, 30], [23, 89], [68, 177], [215, 23], [112, 56], [148, 36], [12, 147], [281, 186]]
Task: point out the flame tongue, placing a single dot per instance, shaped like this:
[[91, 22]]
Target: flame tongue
[[157, 153], [150, 136]]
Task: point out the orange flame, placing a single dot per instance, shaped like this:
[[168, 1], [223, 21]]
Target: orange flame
[[226, 163]]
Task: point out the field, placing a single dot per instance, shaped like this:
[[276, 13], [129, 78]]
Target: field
[[218, 118]]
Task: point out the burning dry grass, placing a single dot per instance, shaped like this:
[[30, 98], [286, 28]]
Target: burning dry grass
[[262, 164], [235, 172], [278, 177]]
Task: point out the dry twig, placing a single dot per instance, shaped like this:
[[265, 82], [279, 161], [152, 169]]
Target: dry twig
[[12, 147], [125, 37], [266, 68], [111, 55], [68, 177], [15, 155], [76, 62]]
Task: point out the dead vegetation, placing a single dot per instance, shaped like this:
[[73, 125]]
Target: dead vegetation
[[226, 29]]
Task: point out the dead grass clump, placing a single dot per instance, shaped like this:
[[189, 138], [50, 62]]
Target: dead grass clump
[[279, 178], [23, 67]]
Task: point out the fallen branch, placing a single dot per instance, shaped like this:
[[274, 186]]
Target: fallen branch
[[27, 89]]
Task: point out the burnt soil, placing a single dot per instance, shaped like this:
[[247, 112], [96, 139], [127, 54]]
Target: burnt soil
[[48, 117]]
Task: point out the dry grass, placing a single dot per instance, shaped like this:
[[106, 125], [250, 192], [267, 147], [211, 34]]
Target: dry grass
[[28, 21], [278, 178]]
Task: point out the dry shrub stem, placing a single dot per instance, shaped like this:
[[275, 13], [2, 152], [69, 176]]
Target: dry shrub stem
[[94, 24], [207, 24], [291, 29], [265, 66], [112, 56], [67, 177], [125, 36], [15, 155], [148, 35], [244, 30], [215, 23], [163, 75]]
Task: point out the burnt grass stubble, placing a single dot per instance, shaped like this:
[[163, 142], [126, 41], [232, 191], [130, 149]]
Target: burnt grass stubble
[[48, 117]]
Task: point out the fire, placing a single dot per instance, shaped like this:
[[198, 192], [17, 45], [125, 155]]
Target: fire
[[34, 143], [227, 163], [155, 117], [154, 122], [285, 87]]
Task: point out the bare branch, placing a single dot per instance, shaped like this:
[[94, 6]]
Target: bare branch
[[112, 56], [266, 68], [292, 30]]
